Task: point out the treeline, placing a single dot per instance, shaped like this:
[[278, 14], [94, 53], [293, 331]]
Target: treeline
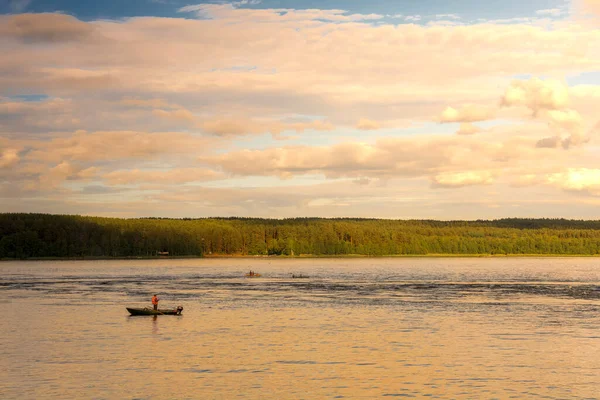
[[44, 235]]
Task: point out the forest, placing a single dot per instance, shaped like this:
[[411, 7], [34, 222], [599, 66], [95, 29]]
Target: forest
[[39, 236]]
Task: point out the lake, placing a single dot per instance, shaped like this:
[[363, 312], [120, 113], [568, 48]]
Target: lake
[[355, 328]]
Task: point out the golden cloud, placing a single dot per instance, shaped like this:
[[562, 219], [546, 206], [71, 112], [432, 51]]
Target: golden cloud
[[169, 177], [45, 28], [576, 179], [467, 128], [467, 113], [466, 178], [367, 124], [8, 157], [537, 94]]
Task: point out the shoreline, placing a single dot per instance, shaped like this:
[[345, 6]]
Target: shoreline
[[308, 256]]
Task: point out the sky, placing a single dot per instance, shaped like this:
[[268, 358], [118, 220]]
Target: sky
[[426, 109]]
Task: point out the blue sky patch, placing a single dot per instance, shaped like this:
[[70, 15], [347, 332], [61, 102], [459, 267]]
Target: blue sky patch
[[411, 11], [29, 97]]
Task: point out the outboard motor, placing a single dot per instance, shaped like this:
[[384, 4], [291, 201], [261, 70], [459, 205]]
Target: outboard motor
[[179, 310]]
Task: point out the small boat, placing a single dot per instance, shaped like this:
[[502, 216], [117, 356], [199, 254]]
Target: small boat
[[151, 311], [300, 276], [252, 275]]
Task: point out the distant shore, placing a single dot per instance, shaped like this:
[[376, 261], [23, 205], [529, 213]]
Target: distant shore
[[303, 256], [64, 237]]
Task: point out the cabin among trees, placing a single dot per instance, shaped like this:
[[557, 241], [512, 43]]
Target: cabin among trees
[[64, 236]]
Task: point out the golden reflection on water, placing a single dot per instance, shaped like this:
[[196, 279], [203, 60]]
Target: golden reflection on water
[[357, 329], [311, 353]]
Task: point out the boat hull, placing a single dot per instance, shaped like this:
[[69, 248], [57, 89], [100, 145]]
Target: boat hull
[[150, 311]]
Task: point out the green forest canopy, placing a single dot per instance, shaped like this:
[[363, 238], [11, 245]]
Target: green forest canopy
[[63, 236]]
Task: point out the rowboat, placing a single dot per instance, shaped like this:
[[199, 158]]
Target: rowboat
[[253, 275], [151, 311]]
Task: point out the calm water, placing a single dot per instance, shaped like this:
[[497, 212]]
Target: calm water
[[356, 328]]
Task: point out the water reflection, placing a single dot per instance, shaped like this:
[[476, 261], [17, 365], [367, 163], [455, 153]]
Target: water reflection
[[375, 328]]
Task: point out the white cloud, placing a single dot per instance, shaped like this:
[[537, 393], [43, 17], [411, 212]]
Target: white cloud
[[447, 16], [18, 5], [246, 2], [551, 12], [231, 11]]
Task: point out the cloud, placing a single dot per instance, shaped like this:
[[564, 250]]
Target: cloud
[[8, 107], [527, 180], [447, 16], [44, 28], [231, 11], [591, 6], [315, 199], [349, 160], [551, 12], [18, 5], [244, 126], [549, 142], [146, 103], [548, 100], [567, 119], [82, 146], [180, 115], [468, 113], [8, 157], [576, 179], [571, 122], [404, 79], [55, 176], [37, 116], [459, 179], [467, 128], [367, 124], [169, 177], [47, 165], [246, 2], [537, 95], [449, 161], [164, 100], [386, 158]]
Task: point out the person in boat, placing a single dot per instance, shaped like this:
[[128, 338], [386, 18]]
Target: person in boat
[[251, 273], [155, 300]]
